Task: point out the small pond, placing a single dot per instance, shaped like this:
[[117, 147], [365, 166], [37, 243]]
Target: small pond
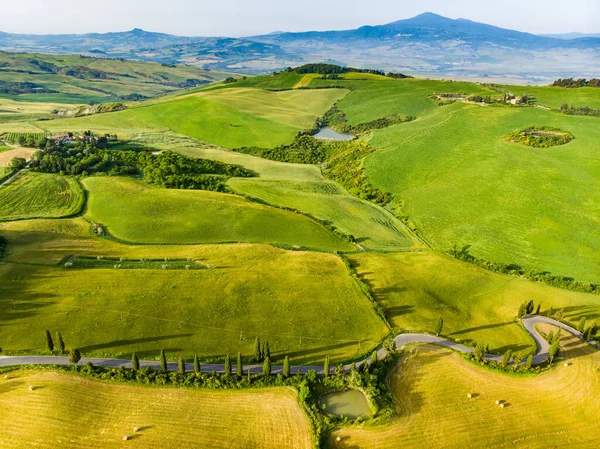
[[351, 404], [328, 133]]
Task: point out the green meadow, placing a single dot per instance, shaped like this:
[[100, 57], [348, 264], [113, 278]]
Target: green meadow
[[555, 97], [462, 184], [136, 212], [416, 288], [251, 291], [40, 195], [228, 119]]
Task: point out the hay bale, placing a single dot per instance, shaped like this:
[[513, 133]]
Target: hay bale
[[125, 438], [6, 377], [338, 439], [136, 429], [31, 388], [502, 405], [566, 364], [469, 395], [498, 402]]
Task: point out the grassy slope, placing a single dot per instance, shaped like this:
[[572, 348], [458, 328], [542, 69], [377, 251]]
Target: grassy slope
[[35, 195], [373, 227], [126, 77], [557, 409], [555, 97], [417, 288], [373, 99], [136, 212], [229, 118], [258, 290], [515, 204], [70, 412]]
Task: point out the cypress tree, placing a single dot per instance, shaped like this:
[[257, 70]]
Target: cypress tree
[[439, 325], [49, 342], [529, 362], [60, 343], [374, 358], [267, 367], [163, 361], [197, 368], [267, 350], [581, 325], [326, 366], [181, 365], [227, 365], [135, 362], [539, 309], [587, 333], [286, 367], [506, 358], [257, 350], [529, 308], [75, 356], [239, 368], [522, 310]]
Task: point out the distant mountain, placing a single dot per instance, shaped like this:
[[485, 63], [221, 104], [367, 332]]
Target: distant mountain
[[427, 43], [568, 36]]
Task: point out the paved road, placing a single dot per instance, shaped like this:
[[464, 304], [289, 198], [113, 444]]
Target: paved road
[[9, 180], [401, 340]]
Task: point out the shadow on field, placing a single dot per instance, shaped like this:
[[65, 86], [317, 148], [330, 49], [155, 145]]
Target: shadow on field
[[7, 387], [116, 343], [575, 313], [300, 357], [480, 328], [394, 312]]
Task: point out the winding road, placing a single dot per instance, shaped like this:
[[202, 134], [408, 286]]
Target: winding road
[[401, 340]]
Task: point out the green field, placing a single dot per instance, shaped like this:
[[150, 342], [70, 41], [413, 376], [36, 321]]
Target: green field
[[228, 119], [371, 226], [71, 412], [37, 195], [557, 409], [74, 79], [476, 305], [555, 97], [252, 291], [136, 212], [463, 184]]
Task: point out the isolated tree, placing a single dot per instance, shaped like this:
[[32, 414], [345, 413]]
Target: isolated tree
[[197, 368], [529, 362], [267, 367], [49, 342], [266, 350], [550, 337], [389, 345], [181, 365], [374, 358], [163, 361], [553, 351], [581, 325], [75, 356], [529, 308], [239, 368], [257, 350], [439, 325], [135, 362], [506, 358], [522, 310], [539, 309], [326, 366], [479, 352], [60, 343], [227, 365], [286, 367], [587, 333]]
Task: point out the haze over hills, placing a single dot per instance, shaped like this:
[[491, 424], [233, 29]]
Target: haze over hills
[[427, 43]]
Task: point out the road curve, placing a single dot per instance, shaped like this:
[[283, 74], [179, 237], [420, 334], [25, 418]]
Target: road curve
[[401, 340]]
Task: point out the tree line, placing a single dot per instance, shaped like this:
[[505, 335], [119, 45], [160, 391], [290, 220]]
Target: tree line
[[575, 83], [333, 69]]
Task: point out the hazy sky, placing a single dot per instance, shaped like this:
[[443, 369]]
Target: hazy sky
[[247, 17]]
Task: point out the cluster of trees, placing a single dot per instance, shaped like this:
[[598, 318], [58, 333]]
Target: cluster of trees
[[304, 150], [540, 137], [588, 330], [262, 352], [572, 110], [554, 340], [527, 308], [169, 170], [479, 99], [582, 82], [58, 347], [336, 119], [462, 253], [333, 69]]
